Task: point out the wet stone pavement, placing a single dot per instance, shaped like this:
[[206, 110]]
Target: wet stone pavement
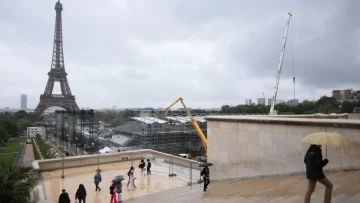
[[157, 182]]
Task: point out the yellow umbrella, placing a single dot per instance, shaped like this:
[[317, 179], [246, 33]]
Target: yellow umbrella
[[326, 138]]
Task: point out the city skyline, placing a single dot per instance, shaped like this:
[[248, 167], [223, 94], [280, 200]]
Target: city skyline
[[210, 58]]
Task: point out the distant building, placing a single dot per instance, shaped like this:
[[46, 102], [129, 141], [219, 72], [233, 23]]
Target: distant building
[[356, 95], [270, 100], [248, 102], [336, 94], [261, 101], [346, 95], [33, 131], [356, 110], [293, 102], [23, 102]]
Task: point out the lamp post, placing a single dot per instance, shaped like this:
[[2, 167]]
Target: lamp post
[[76, 141], [67, 142], [62, 136], [98, 156]]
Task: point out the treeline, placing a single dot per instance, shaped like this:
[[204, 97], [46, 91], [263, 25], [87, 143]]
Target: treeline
[[324, 105], [12, 124]]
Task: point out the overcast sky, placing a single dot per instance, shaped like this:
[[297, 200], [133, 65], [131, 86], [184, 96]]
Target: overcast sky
[[142, 53]]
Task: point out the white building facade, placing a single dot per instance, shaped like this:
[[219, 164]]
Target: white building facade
[[248, 102], [33, 131]]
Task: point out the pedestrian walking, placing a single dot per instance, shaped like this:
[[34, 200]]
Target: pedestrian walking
[[81, 194], [113, 191], [97, 180], [142, 167], [205, 173], [64, 197], [129, 173], [132, 181], [314, 173], [119, 191], [148, 167]]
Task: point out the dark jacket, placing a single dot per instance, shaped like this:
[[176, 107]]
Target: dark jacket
[[112, 187], [119, 186], [142, 164], [97, 178], [64, 198], [314, 163], [205, 172], [81, 192]]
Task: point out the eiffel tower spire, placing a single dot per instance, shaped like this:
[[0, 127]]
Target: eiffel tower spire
[[57, 73]]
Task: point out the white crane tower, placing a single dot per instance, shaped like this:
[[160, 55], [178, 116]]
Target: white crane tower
[[272, 110]]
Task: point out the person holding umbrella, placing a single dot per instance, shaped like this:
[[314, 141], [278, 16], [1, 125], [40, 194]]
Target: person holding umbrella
[[113, 191], [315, 163], [314, 173], [118, 185]]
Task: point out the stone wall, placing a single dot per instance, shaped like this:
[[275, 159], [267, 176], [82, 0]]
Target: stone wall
[[354, 115], [252, 146]]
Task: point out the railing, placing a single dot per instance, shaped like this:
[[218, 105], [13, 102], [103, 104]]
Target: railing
[[186, 170], [20, 153], [33, 140]]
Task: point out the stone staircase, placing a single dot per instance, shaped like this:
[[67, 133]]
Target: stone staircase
[[280, 189]]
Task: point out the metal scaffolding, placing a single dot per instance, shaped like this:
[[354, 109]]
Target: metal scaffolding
[[170, 137]]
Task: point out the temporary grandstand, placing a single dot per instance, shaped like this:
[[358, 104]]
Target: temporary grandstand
[[169, 134]]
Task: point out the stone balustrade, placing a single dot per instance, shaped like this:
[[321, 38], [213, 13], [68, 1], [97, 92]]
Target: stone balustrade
[[253, 146], [88, 160]]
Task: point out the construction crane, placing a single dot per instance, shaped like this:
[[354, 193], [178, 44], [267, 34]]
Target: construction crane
[[272, 110], [193, 121]]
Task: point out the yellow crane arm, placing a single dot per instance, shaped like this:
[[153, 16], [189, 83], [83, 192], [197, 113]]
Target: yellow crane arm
[[193, 121]]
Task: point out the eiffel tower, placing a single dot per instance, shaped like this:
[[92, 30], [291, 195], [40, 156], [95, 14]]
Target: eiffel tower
[[57, 74]]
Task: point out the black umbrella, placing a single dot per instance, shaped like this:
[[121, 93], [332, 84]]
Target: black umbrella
[[205, 164], [118, 179]]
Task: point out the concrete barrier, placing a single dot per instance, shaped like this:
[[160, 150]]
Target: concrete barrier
[[88, 160]]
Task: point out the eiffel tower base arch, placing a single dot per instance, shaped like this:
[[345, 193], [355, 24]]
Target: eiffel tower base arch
[[67, 102]]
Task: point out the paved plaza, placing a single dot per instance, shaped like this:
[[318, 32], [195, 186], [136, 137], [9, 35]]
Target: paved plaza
[[280, 189], [159, 181]]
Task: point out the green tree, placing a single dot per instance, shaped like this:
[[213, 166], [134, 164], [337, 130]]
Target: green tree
[[226, 109], [282, 107], [20, 114], [23, 124], [10, 127], [3, 134], [327, 105], [16, 183], [347, 107], [308, 107]]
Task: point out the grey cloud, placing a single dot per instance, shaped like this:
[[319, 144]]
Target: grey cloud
[[323, 43], [148, 53]]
